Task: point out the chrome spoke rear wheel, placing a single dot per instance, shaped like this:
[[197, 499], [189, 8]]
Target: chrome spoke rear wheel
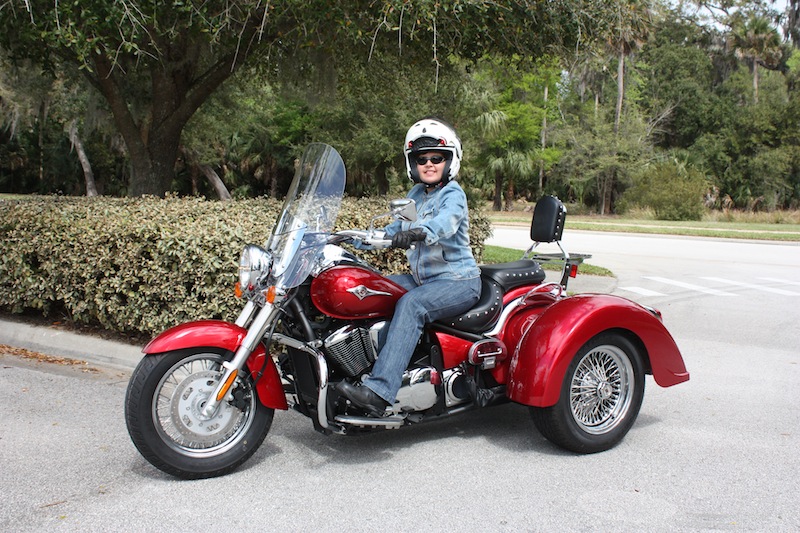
[[601, 394], [601, 389]]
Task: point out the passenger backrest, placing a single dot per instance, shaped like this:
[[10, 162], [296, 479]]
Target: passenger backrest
[[548, 220]]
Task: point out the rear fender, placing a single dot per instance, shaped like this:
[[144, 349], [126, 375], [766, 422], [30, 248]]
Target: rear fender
[[539, 363], [227, 336]]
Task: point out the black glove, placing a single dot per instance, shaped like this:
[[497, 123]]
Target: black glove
[[403, 239]]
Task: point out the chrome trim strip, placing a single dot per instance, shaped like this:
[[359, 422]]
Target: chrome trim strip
[[501, 322], [388, 422]]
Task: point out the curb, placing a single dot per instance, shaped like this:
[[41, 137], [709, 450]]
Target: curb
[[56, 342]]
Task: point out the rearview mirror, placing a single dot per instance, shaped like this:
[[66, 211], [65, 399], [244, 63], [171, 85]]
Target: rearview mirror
[[404, 209]]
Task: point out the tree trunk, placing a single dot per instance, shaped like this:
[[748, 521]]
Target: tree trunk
[[381, 181], [620, 91], [497, 203], [216, 182], [793, 21], [43, 110], [510, 194], [755, 81], [88, 174], [178, 90], [607, 188], [210, 174]]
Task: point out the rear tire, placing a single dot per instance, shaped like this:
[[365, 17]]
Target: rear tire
[[163, 413], [600, 397]]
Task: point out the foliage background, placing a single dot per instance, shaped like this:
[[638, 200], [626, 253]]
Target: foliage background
[[583, 100], [143, 265]]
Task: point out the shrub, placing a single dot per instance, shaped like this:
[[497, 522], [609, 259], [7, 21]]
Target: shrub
[[142, 265], [672, 190]]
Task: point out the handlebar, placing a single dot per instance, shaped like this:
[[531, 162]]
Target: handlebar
[[375, 239]]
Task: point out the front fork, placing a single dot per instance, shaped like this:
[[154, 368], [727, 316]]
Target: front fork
[[261, 322]]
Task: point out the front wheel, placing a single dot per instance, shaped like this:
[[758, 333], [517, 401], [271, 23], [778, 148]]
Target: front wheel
[[163, 412], [600, 397]]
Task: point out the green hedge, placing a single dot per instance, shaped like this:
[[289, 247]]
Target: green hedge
[[142, 265]]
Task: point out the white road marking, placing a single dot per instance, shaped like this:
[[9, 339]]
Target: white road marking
[[778, 280], [643, 292], [691, 287], [753, 286]]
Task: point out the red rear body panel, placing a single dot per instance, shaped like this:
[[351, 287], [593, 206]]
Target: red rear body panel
[[549, 341]]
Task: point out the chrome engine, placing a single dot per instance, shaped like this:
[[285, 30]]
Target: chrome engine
[[353, 350], [418, 389]]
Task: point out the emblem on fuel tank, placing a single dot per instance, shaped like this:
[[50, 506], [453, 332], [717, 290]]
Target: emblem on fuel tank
[[362, 292]]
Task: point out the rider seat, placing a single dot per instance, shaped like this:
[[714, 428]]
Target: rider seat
[[547, 226]]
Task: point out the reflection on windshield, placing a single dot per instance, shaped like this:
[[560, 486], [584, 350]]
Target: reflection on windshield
[[309, 215]]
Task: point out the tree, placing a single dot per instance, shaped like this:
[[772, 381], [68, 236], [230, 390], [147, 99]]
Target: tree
[[629, 29], [758, 43], [512, 125], [793, 22], [156, 63], [680, 80]]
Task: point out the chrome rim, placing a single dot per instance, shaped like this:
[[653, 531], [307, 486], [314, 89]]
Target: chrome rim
[[179, 400], [601, 389]]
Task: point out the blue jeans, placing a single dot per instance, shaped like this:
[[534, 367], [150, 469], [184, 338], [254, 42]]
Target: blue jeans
[[421, 305]]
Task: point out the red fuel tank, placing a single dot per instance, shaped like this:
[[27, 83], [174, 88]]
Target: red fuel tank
[[352, 292]]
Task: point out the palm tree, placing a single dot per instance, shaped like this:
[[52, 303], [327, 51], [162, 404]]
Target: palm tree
[[511, 165], [630, 28], [758, 43]]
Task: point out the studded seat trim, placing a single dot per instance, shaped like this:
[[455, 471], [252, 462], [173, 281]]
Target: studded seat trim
[[496, 280]]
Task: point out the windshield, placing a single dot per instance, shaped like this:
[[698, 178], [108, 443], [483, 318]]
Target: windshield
[[308, 216]]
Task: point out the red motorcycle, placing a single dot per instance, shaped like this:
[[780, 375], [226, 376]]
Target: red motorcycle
[[202, 399]]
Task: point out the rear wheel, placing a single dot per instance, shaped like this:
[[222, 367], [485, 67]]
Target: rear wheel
[[600, 397], [163, 412]]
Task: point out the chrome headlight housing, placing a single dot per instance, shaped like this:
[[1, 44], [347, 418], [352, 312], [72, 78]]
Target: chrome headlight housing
[[254, 266]]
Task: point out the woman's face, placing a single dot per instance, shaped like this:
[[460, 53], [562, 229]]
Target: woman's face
[[430, 166]]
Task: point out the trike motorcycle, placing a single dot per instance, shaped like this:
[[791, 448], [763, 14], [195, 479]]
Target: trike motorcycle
[[202, 399]]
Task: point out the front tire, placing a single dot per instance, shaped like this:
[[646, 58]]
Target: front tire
[[163, 407], [600, 397]]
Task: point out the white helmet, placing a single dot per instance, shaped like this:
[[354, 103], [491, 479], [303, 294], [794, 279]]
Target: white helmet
[[432, 134]]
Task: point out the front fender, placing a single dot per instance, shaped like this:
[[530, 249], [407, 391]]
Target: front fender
[[540, 361], [227, 336]]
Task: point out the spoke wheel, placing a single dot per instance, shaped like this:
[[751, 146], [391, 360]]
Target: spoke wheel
[[600, 397], [164, 413], [601, 389]]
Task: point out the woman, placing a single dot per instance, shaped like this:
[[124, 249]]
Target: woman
[[444, 279]]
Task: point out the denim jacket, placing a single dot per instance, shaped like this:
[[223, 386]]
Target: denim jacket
[[445, 253]]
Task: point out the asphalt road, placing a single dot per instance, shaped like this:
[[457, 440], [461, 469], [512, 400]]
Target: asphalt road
[[717, 453]]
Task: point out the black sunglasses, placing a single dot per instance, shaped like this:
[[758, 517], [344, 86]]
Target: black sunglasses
[[435, 159]]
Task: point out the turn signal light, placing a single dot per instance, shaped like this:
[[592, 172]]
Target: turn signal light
[[237, 289], [271, 293]]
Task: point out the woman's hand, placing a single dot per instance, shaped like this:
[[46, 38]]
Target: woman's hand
[[404, 239]]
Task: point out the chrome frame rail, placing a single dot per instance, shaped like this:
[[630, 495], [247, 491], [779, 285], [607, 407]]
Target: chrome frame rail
[[322, 367]]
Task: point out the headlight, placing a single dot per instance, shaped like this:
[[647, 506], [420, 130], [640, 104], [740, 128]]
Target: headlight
[[254, 265]]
